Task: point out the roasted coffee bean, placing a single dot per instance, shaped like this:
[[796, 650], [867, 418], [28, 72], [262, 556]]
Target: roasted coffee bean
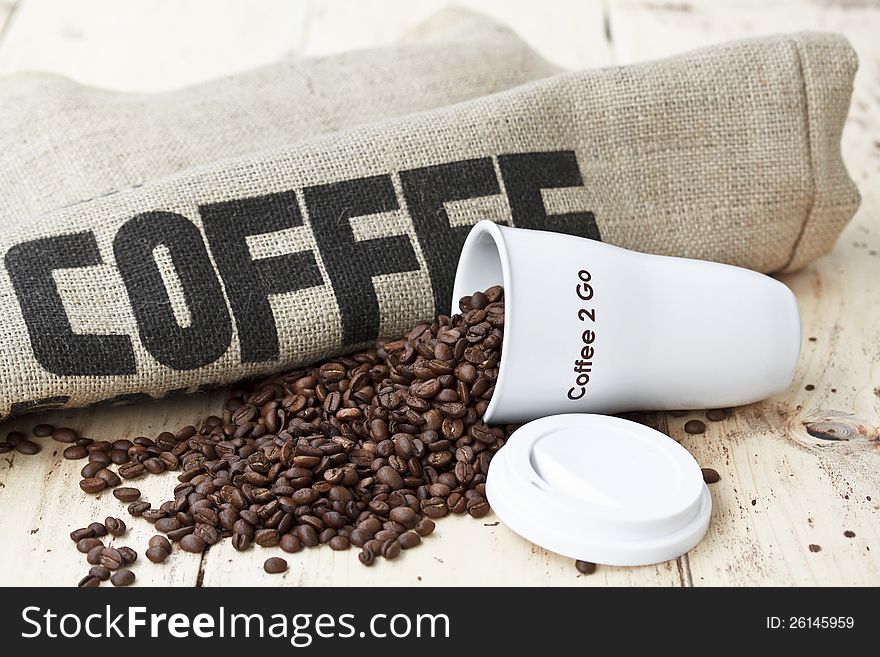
[[78, 534], [100, 572], [409, 540], [157, 554], [367, 556], [86, 545], [43, 430], [477, 507], [92, 485], [585, 567], [137, 509], [111, 558], [119, 456], [115, 526], [90, 469], [122, 578], [405, 516], [391, 549], [710, 476], [290, 543], [129, 556], [338, 543], [108, 476], [75, 452], [126, 494], [390, 477], [64, 435], [166, 525], [716, 414], [425, 527], [695, 426], [28, 447], [267, 537], [93, 556], [89, 581], [160, 542], [6, 447], [192, 543], [275, 565], [132, 470], [98, 529]]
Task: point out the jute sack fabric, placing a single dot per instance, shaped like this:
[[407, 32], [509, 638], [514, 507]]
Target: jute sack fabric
[[63, 143], [262, 262]]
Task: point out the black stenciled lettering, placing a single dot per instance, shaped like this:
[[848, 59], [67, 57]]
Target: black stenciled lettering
[[209, 332], [526, 174], [351, 264], [249, 282], [56, 347], [426, 190]]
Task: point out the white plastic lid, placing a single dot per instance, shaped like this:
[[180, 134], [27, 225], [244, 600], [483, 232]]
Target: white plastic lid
[[601, 489]]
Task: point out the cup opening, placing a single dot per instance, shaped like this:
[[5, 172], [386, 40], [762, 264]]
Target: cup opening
[[483, 263]]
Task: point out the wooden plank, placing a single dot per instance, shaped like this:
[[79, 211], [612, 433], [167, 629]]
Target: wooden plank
[[149, 45], [783, 490]]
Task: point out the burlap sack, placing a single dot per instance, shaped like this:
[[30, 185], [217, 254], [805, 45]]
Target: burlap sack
[[63, 143], [258, 263]]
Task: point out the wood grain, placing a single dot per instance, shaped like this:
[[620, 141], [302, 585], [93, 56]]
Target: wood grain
[[796, 470]]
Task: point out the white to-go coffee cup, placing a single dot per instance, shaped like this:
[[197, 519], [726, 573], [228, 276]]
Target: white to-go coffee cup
[[593, 328]]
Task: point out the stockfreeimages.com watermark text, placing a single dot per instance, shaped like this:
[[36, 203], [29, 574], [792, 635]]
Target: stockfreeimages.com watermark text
[[299, 629]]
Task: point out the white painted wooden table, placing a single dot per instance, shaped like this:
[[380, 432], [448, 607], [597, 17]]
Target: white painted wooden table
[[781, 490]]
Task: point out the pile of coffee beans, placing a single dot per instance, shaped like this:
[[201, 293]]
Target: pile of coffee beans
[[364, 450]]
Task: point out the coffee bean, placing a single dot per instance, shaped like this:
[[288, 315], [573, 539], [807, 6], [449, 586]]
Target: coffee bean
[[129, 556], [98, 529], [405, 516], [90, 469], [192, 543], [89, 582], [111, 558], [137, 509], [290, 543], [115, 526], [425, 527], [391, 549], [267, 537], [43, 430], [710, 476], [75, 452], [132, 470], [166, 525], [92, 485], [585, 567], [695, 426], [108, 476], [100, 572], [119, 456], [157, 554], [93, 556], [367, 557], [716, 414], [86, 545], [339, 543], [126, 494], [28, 447], [64, 435], [122, 578], [241, 542], [409, 540], [160, 542], [178, 534], [477, 507], [6, 447], [78, 534], [275, 565]]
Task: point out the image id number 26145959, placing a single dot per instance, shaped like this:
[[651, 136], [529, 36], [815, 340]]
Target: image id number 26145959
[[810, 622]]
